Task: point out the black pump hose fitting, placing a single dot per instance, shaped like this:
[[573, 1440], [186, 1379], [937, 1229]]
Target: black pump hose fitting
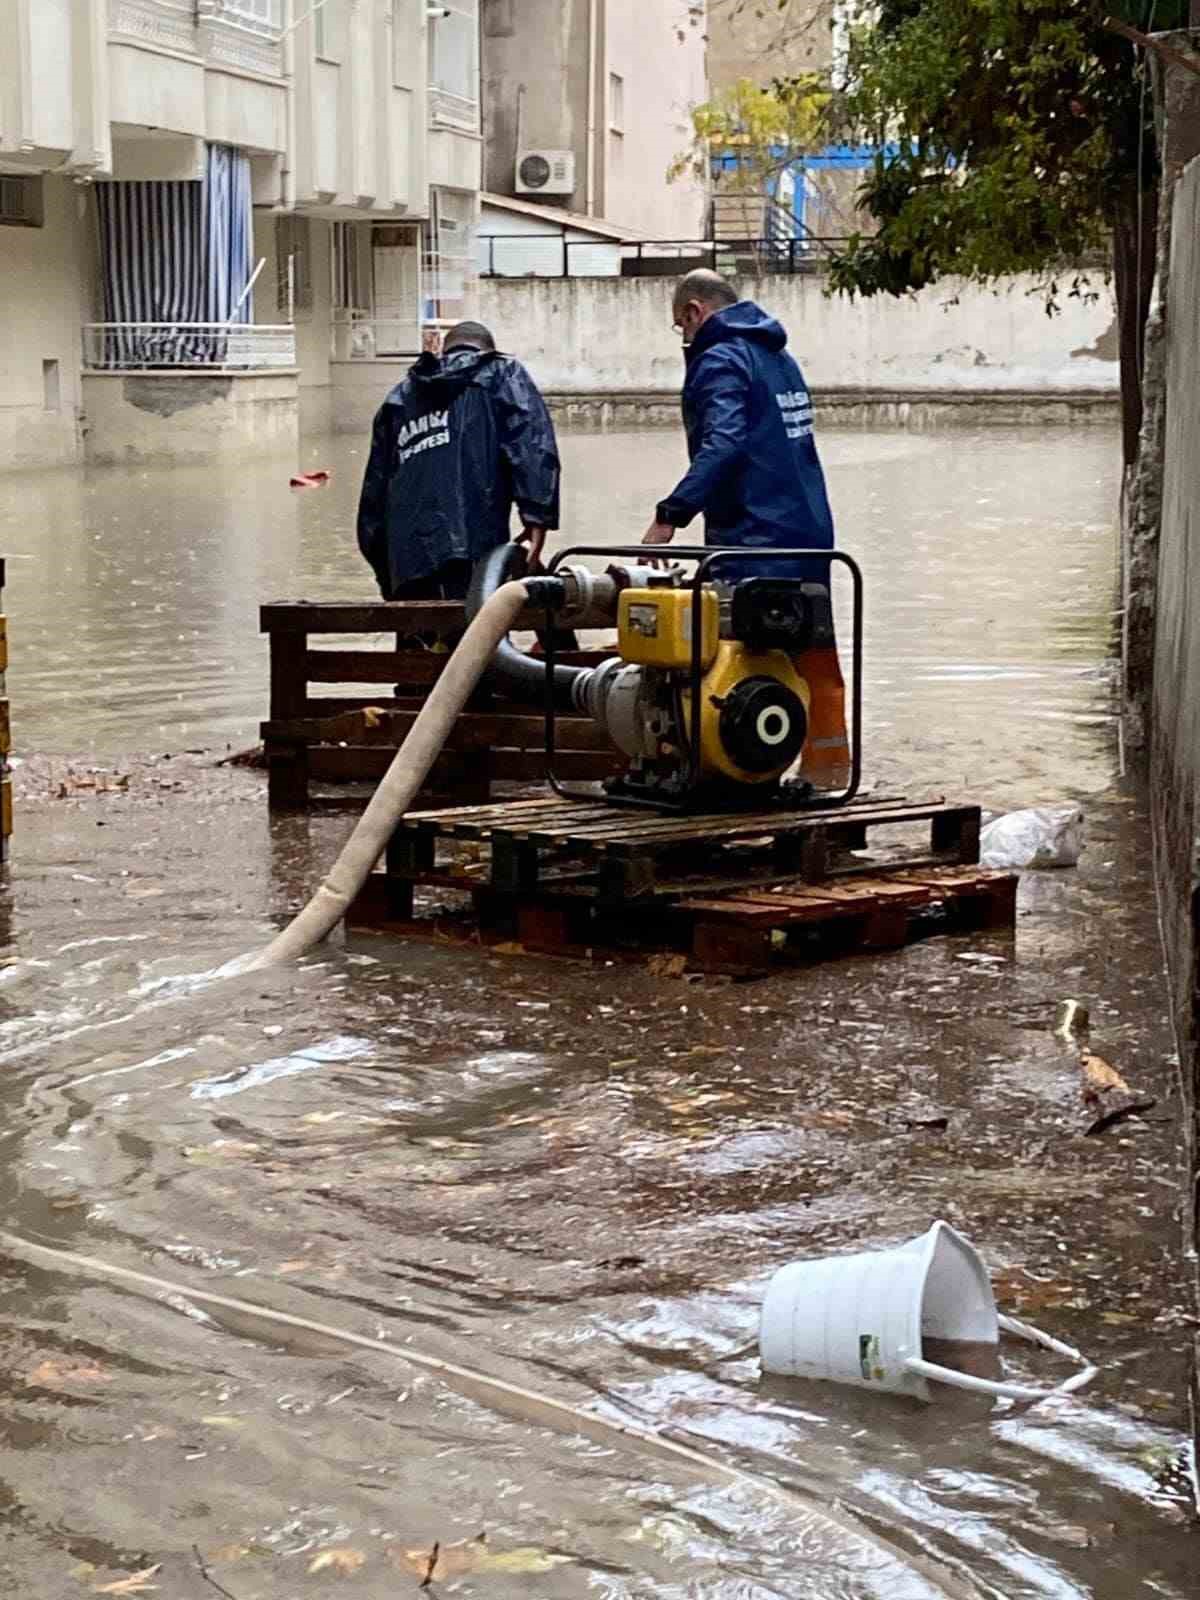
[[524, 675]]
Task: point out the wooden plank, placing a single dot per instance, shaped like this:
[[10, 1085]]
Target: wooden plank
[[371, 616], [287, 777], [5, 728], [3, 643], [749, 827], [472, 730], [346, 763], [410, 667], [289, 683]]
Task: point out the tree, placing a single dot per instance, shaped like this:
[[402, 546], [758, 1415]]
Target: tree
[[1011, 136], [765, 129]]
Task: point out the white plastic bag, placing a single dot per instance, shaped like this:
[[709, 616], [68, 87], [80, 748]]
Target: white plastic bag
[[1045, 836]]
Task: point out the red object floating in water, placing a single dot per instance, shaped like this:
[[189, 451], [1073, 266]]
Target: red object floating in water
[[310, 480]]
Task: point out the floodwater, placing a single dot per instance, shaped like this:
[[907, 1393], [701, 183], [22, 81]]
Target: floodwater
[[575, 1181]]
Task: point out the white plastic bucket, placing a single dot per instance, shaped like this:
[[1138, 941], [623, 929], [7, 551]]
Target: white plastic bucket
[[862, 1319]]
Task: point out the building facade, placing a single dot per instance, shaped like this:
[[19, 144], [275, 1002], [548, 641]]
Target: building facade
[[587, 104], [214, 214]]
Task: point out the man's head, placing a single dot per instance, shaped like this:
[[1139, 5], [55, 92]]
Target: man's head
[[699, 296], [468, 336]]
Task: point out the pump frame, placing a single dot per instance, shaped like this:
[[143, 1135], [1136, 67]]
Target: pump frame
[[706, 557]]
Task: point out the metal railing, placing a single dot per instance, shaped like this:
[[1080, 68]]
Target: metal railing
[[176, 346], [549, 256]]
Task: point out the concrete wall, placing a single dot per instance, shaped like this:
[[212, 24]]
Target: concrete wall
[[603, 335], [43, 303], [749, 40], [1175, 739], [199, 416]]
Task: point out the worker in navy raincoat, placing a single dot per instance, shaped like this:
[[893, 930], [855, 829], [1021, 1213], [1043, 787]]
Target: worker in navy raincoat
[[755, 474], [462, 440]]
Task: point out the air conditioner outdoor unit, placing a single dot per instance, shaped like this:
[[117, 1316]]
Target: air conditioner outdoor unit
[[546, 172]]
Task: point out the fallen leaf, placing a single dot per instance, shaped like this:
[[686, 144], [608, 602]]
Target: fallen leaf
[[135, 1583], [228, 1553], [285, 1267], [441, 1562], [665, 966], [54, 1370], [224, 1422], [525, 1558], [509, 948], [320, 1117], [1099, 1075], [341, 1560]]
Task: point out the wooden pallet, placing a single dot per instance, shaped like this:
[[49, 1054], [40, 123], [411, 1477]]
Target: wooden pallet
[[744, 933], [340, 738], [623, 853]]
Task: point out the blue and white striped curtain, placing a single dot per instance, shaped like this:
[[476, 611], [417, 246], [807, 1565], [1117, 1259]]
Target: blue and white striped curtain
[[227, 234], [175, 253]]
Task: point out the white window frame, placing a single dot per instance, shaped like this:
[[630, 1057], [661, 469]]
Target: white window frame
[[457, 100], [259, 16]]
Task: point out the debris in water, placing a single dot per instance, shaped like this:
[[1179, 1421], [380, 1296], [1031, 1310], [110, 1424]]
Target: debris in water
[[1106, 1093], [55, 1371], [135, 1583], [310, 480], [340, 1559], [1044, 836]]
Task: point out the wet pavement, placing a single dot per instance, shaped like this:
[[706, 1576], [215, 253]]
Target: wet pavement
[[576, 1181]]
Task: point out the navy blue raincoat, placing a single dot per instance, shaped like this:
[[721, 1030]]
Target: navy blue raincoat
[[454, 447], [755, 473]]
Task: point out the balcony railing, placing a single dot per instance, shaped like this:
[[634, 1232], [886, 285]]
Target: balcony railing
[[552, 256], [183, 346]]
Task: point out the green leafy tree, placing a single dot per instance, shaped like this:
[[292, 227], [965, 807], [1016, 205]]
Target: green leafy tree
[[766, 128], [1012, 136]]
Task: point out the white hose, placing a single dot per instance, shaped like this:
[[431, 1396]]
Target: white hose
[[398, 786]]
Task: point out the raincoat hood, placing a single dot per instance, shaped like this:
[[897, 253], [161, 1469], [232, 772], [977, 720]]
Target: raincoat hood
[[437, 380], [744, 320]]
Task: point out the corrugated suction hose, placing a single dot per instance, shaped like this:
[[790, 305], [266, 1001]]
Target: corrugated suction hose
[[400, 783]]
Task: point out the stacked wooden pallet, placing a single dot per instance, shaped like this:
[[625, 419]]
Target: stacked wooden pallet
[[735, 893], [317, 743]]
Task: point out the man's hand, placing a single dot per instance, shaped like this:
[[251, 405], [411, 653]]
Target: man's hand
[[658, 533], [535, 538]]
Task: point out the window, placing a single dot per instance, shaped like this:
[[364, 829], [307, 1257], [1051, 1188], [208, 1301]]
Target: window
[[616, 125], [454, 53], [51, 387], [264, 16], [329, 36], [448, 250], [293, 243], [616, 103], [21, 202]]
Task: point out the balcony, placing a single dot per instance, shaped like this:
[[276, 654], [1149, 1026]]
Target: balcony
[[188, 347]]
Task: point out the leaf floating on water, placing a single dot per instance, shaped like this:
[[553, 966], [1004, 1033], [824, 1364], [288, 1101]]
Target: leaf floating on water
[[665, 966], [441, 1562], [525, 1558], [340, 1559], [57, 1370], [319, 1117], [223, 1422], [135, 1583]]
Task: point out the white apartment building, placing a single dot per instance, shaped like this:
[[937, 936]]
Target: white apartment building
[[221, 219]]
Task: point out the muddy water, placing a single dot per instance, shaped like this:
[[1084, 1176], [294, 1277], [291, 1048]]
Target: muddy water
[[576, 1182]]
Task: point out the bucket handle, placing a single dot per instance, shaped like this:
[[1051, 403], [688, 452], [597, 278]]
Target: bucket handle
[[1002, 1389]]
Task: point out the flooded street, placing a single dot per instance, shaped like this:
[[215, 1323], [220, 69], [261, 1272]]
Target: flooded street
[[574, 1181]]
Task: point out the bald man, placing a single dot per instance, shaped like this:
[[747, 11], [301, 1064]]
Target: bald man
[[755, 474]]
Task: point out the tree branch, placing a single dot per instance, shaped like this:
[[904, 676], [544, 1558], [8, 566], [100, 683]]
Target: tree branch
[[1166, 51]]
